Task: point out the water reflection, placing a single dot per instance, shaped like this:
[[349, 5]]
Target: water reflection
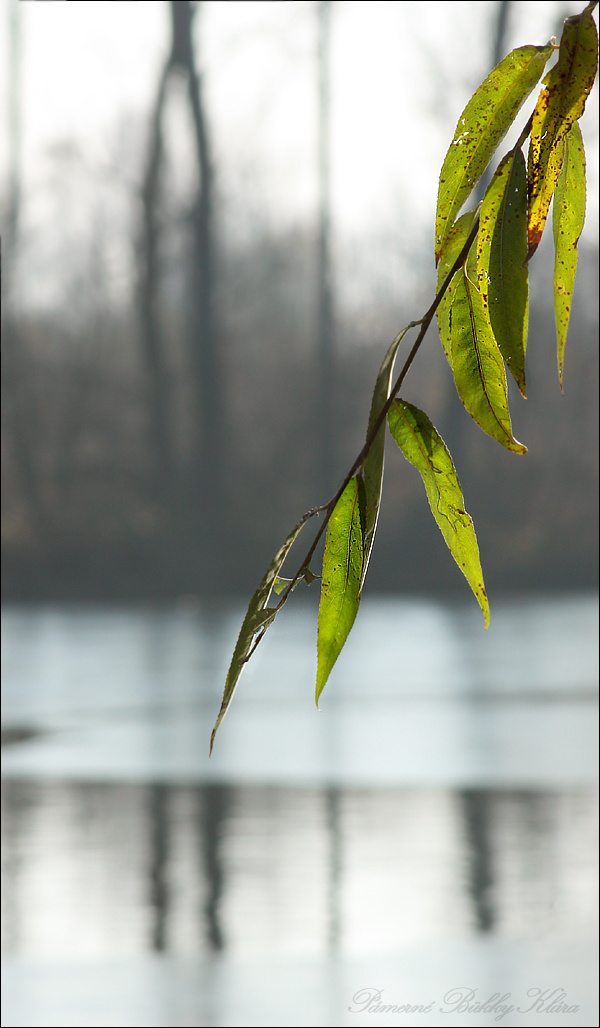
[[115, 869], [478, 829], [429, 829], [216, 804]]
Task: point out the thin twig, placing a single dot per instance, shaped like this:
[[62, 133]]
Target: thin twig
[[362, 456]]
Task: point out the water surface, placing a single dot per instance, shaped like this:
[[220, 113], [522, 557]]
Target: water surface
[[432, 830]]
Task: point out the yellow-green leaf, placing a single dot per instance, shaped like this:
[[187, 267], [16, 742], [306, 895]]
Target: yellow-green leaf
[[477, 362], [502, 273], [424, 447], [258, 616], [454, 243], [542, 179], [568, 216], [560, 103], [373, 467], [341, 580], [481, 128]]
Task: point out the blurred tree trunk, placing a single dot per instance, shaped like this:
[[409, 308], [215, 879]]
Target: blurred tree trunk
[[208, 449], [204, 478], [20, 418], [498, 52], [151, 336], [325, 447]]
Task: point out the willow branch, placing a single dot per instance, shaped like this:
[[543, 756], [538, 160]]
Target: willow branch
[[425, 322]]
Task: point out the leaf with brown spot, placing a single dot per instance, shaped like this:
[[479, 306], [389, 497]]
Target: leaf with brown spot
[[481, 128], [477, 363], [341, 580], [502, 274], [568, 216], [424, 447], [455, 240], [560, 104]]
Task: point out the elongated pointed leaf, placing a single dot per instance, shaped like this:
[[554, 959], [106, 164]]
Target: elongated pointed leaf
[[502, 274], [258, 616], [542, 178], [454, 243], [342, 573], [568, 217], [373, 468], [477, 362], [424, 447], [560, 103], [481, 128]]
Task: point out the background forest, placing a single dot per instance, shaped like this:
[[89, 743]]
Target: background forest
[[200, 284]]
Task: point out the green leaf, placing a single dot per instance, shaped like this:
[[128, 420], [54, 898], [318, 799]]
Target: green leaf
[[454, 243], [477, 362], [342, 573], [560, 103], [373, 466], [424, 447], [481, 128], [258, 616], [568, 216], [502, 274]]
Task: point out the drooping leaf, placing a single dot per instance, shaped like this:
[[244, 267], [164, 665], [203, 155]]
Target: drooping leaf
[[568, 216], [477, 362], [424, 447], [373, 467], [502, 274], [542, 179], [258, 616], [481, 128], [341, 580], [455, 240], [560, 103]]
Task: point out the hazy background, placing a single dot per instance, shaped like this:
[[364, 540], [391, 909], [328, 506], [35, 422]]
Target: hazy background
[[197, 296]]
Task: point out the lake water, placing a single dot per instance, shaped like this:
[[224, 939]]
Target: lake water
[[429, 839]]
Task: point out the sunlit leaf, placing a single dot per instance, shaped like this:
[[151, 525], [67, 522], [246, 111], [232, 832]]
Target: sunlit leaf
[[373, 467], [568, 217], [561, 102], [481, 128], [342, 573], [258, 616], [424, 447], [454, 243], [477, 362], [502, 274], [542, 179]]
